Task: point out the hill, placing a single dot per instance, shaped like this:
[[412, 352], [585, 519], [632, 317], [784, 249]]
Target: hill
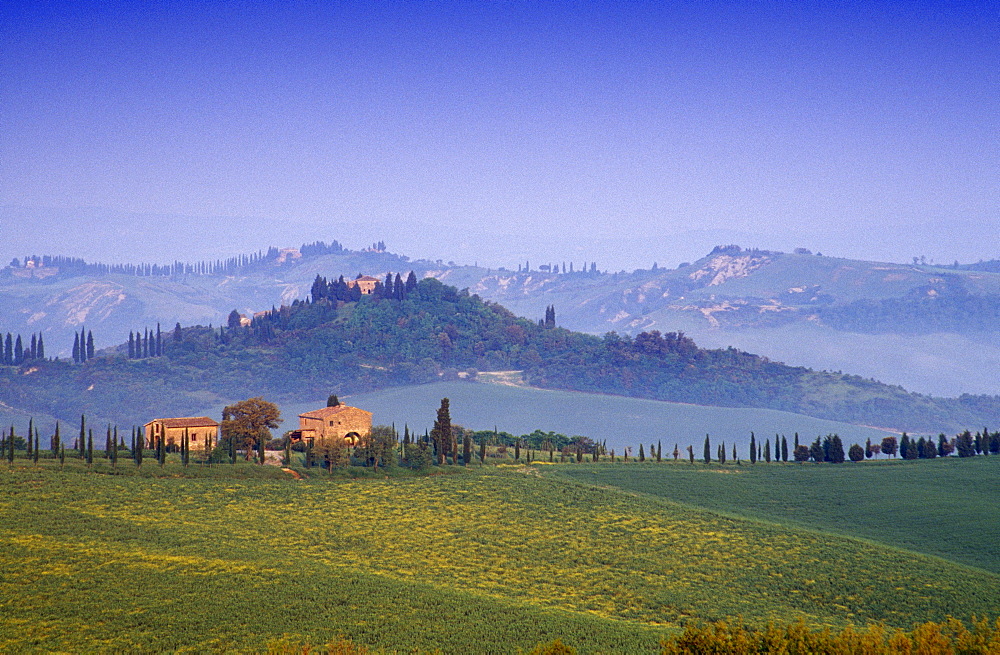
[[924, 327], [494, 556], [938, 507], [428, 331]]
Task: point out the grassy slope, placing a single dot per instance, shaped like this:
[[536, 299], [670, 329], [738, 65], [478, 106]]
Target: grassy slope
[[944, 507], [491, 557], [622, 421]]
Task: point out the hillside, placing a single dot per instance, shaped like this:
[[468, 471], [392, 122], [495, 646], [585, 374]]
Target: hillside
[[931, 329], [497, 556], [432, 332]]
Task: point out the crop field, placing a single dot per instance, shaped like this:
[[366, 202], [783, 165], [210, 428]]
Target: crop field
[[504, 556], [943, 507]]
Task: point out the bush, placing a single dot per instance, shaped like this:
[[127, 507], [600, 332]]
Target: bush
[[856, 453]]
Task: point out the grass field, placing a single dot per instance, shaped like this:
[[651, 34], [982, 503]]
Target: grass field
[[943, 507], [482, 560]]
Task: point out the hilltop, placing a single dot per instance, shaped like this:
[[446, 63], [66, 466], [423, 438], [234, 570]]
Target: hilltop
[[430, 331], [925, 327]]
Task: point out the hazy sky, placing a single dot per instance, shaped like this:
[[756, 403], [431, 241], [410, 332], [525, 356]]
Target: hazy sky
[[497, 131]]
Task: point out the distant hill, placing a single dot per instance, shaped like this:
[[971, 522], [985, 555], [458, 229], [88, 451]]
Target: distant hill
[[875, 319], [430, 331]]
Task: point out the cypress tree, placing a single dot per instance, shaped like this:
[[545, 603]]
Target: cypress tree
[[131, 345], [642, 455], [159, 341], [31, 436], [482, 451], [708, 451], [260, 449], [90, 345], [659, 451], [76, 347], [10, 445], [140, 445], [767, 451], [441, 432], [56, 441], [784, 449], [735, 456], [90, 447], [186, 448], [467, 439], [114, 449], [753, 448], [18, 352], [62, 454], [107, 444], [41, 347], [82, 443]]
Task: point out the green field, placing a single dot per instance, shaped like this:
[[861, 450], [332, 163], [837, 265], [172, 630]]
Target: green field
[[619, 420], [482, 560], [943, 507]]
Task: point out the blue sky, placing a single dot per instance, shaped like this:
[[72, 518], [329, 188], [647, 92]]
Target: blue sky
[[496, 132]]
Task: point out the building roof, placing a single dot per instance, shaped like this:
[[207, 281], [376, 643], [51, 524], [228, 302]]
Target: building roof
[[187, 422], [367, 278], [327, 412]]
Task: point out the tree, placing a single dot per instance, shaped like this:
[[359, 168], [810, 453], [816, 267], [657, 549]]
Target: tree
[[332, 400], [836, 449], [90, 447], [441, 432], [90, 344], [816, 451], [233, 321], [753, 448], [377, 446], [642, 455], [708, 451], [868, 448], [801, 453], [889, 446], [767, 451], [466, 439], [248, 423], [964, 445], [784, 449]]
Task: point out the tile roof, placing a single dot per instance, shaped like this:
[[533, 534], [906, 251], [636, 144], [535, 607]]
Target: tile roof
[[187, 422]]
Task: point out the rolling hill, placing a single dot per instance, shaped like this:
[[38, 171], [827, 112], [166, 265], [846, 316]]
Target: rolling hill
[[930, 329], [430, 332]]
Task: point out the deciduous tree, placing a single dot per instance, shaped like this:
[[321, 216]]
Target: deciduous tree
[[248, 423]]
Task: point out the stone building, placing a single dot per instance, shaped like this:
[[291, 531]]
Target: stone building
[[366, 283], [339, 422], [199, 429]]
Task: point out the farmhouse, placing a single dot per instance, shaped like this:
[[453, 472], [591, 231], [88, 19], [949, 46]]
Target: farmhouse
[[199, 430], [338, 422], [366, 283]]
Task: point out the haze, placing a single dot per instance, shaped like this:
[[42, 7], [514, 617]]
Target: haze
[[622, 133]]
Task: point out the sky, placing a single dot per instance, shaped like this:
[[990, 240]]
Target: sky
[[499, 132]]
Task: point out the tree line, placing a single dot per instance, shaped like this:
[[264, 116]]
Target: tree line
[[14, 351]]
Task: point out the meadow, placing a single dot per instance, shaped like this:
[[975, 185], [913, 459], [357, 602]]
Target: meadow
[[487, 559], [946, 507]]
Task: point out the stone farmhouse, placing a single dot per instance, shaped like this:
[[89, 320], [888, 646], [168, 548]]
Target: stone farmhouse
[[339, 422], [199, 430], [366, 283]]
